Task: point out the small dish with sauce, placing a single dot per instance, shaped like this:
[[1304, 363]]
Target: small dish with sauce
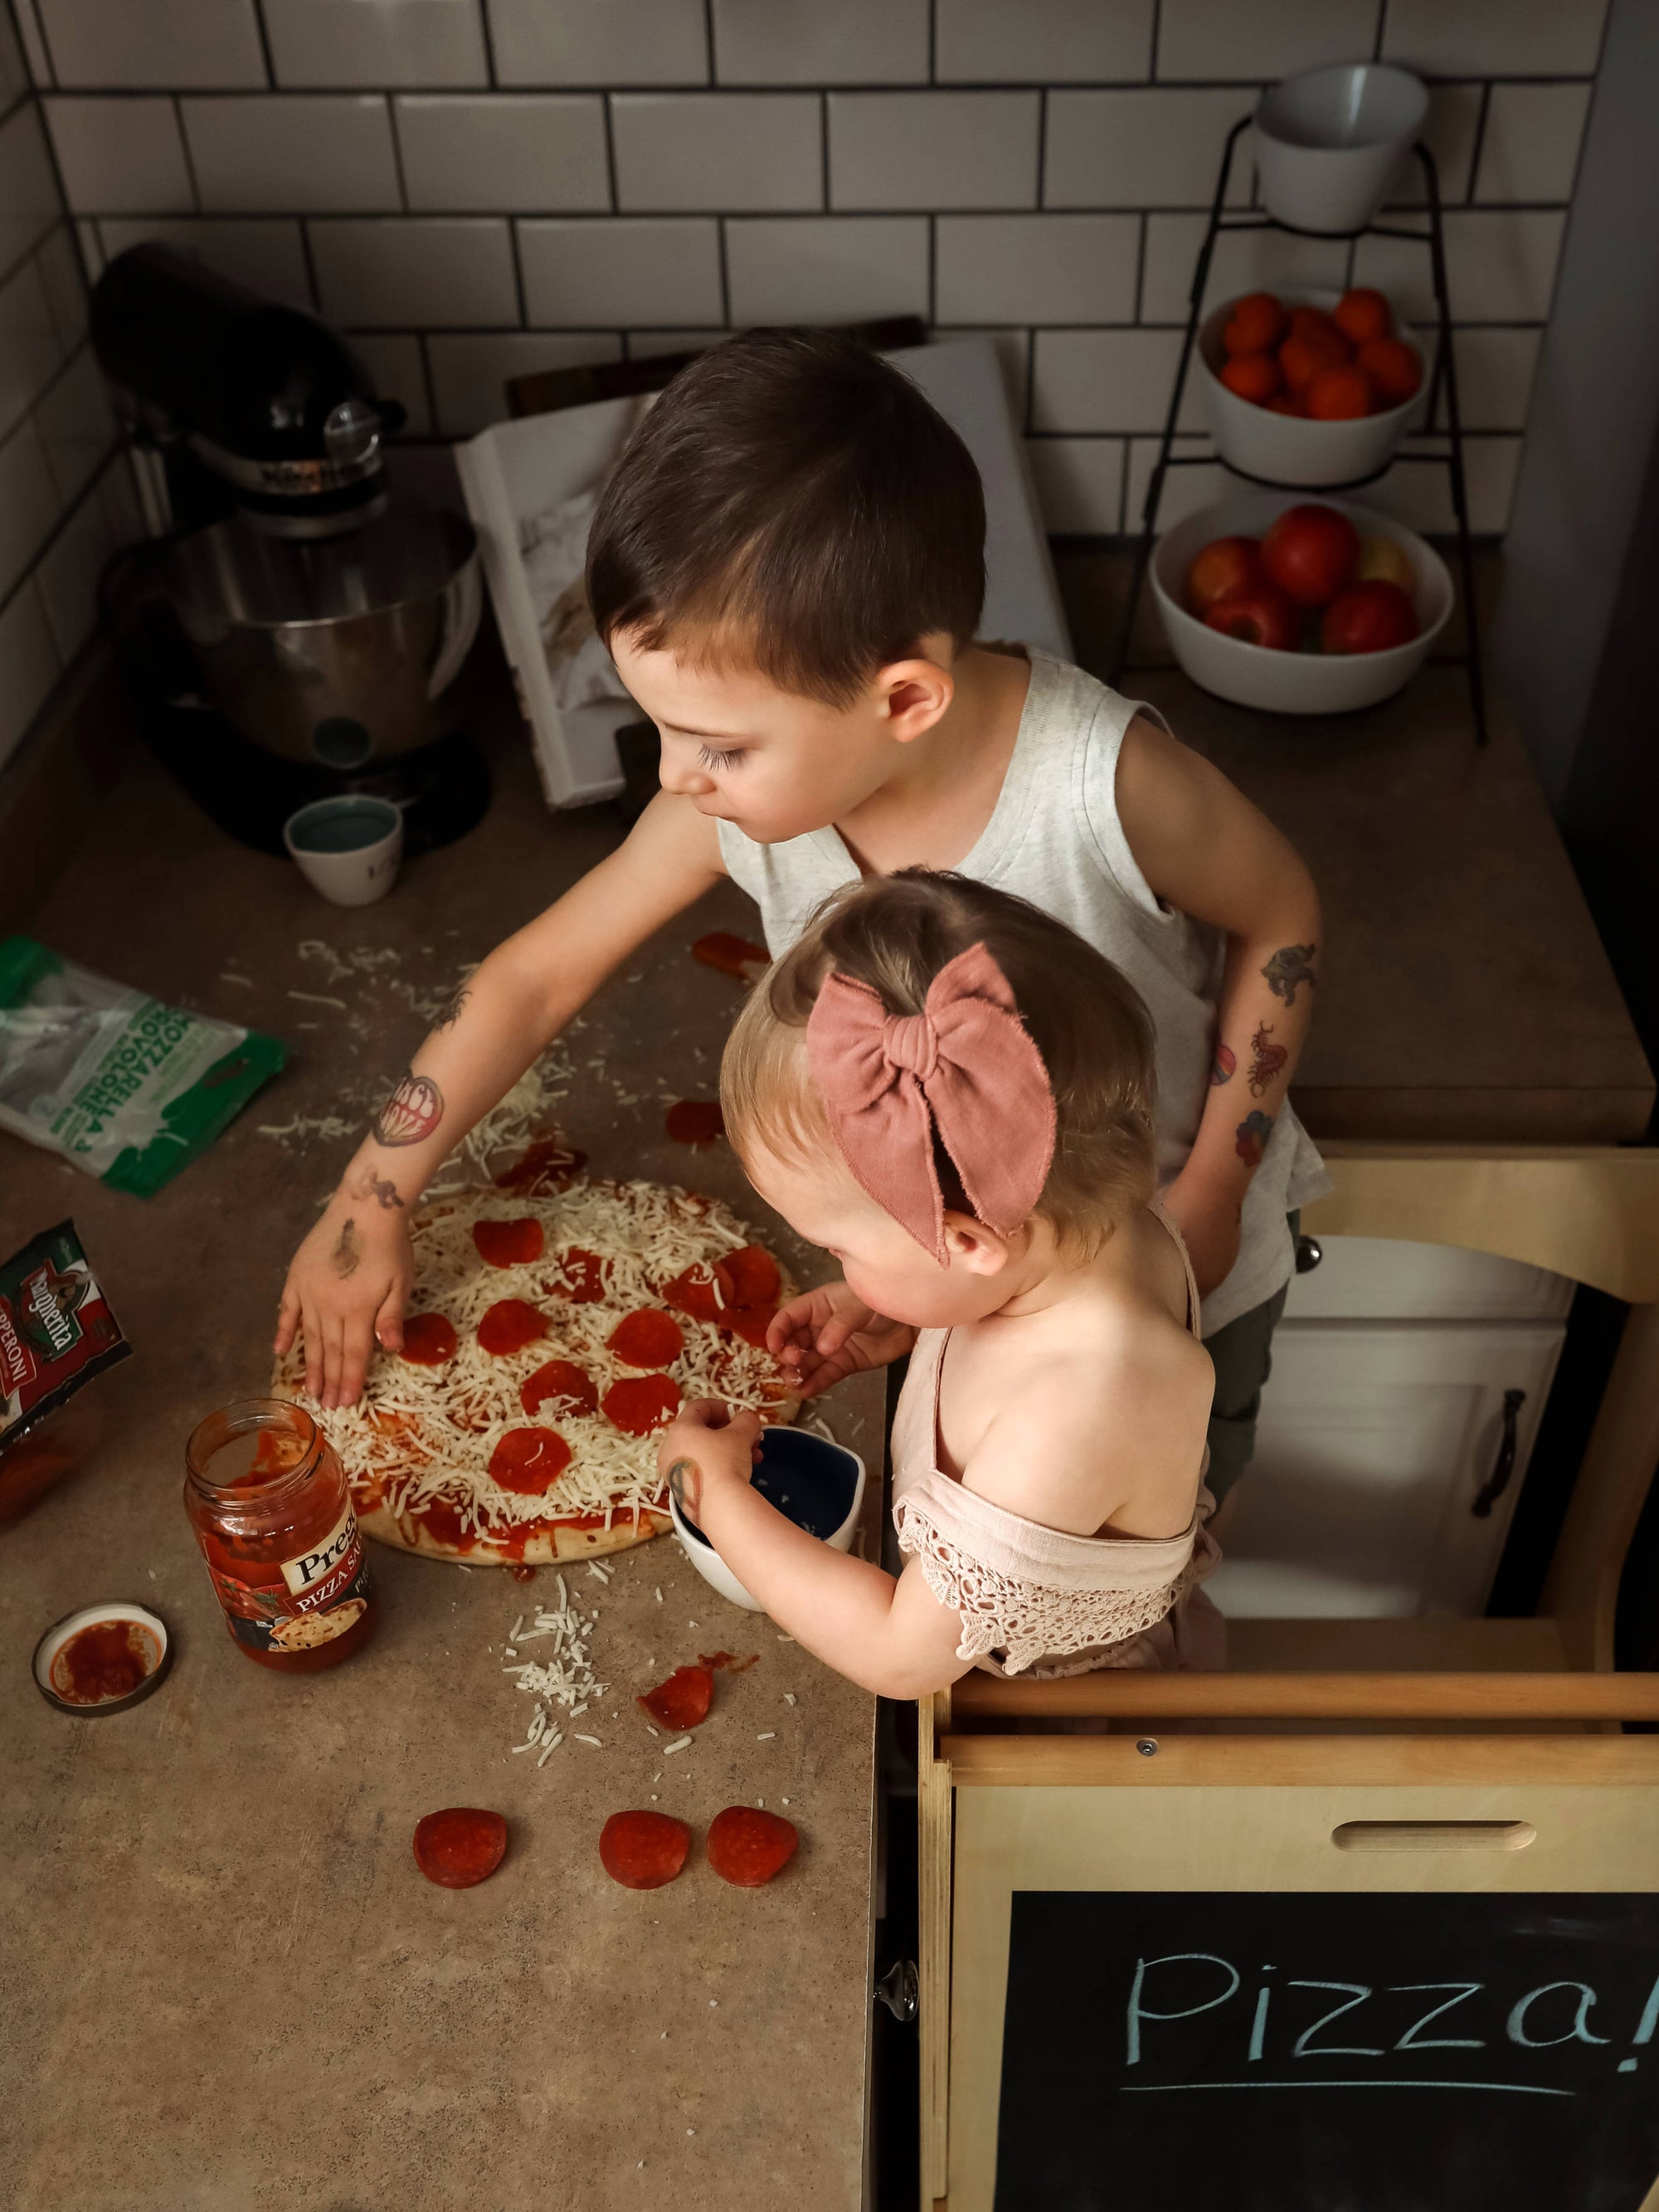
[[103, 1659]]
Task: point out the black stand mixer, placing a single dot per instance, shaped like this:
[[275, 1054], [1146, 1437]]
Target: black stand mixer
[[295, 630]]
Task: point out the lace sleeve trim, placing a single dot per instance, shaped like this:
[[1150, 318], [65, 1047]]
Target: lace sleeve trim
[[1024, 1620]]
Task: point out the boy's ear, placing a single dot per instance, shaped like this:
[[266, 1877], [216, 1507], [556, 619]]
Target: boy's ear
[[971, 1246], [912, 695]]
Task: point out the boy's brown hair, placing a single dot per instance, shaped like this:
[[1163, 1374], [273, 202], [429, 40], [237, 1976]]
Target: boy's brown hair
[[794, 499], [895, 932]]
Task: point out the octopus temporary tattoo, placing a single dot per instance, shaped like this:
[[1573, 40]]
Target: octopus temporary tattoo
[[1291, 966], [1267, 1063], [1222, 1066], [345, 1255], [413, 1111], [1251, 1138], [380, 1188], [451, 1012]]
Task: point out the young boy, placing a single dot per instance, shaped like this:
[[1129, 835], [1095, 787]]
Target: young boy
[[788, 566]]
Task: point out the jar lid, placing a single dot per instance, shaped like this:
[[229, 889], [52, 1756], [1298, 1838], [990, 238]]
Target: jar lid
[[83, 1661]]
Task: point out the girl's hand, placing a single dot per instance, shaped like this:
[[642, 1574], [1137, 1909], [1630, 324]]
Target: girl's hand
[[824, 1335], [707, 1446]]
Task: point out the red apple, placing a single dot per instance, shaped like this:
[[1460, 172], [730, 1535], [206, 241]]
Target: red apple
[[1310, 552], [1368, 618], [1259, 614], [1223, 565]]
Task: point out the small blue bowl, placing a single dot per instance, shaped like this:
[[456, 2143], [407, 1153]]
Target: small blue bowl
[[817, 1484]]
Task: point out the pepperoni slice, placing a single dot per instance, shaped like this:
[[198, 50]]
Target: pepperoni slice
[[528, 1461], [428, 1339], [561, 1385], [642, 1403], [508, 1243], [747, 1846], [703, 1292], [696, 1122], [738, 1666], [585, 1279], [646, 1339], [751, 1323], [683, 1701], [643, 1850], [509, 1325], [459, 1846], [754, 1275], [731, 956], [548, 1166]]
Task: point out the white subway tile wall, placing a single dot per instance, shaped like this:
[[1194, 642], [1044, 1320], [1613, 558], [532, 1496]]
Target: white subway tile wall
[[479, 187]]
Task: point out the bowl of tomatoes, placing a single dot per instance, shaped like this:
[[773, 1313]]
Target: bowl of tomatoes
[[1309, 387], [1302, 607]]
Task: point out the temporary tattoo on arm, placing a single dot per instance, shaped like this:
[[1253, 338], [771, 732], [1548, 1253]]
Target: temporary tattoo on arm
[[1268, 1061], [678, 1472], [413, 1111], [380, 1188], [1221, 1068], [451, 1012], [1292, 964], [1251, 1138], [345, 1255]]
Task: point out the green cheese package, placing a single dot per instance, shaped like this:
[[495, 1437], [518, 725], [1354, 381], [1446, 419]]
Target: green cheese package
[[129, 1089]]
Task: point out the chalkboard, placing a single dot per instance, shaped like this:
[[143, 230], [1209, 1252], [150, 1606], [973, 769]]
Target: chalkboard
[[1164, 2051]]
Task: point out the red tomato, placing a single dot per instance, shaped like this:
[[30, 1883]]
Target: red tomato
[[1256, 322], [1340, 395], [1314, 323], [1287, 404], [1223, 565], [1309, 552], [1363, 314], [1252, 376], [1258, 614], [1302, 357], [1393, 367], [1368, 618]]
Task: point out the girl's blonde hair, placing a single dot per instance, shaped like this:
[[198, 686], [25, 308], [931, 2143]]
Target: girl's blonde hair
[[895, 933]]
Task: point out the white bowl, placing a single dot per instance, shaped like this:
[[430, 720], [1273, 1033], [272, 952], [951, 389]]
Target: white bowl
[[1289, 448], [1329, 142], [1291, 683], [708, 1561]]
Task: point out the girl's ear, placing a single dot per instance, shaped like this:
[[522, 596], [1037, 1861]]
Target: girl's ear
[[969, 1244]]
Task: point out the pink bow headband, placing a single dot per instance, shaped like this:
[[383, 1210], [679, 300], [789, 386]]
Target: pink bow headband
[[965, 1067]]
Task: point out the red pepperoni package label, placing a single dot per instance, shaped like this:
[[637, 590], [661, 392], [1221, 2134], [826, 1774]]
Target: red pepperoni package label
[[56, 1330]]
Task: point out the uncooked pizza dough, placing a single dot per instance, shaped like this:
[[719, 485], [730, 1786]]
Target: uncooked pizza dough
[[548, 1340]]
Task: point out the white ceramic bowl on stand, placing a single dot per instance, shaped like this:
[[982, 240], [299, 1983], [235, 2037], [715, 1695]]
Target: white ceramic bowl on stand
[[1291, 683], [1330, 141], [808, 1477], [1289, 448]]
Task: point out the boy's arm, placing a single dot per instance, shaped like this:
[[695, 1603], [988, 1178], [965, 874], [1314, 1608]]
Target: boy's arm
[[351, 1276], [1204, 848]]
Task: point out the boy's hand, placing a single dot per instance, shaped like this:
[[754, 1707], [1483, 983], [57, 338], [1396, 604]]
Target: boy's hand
[[347, 1287], [826, 1334], [706, 1445], [1208, 1218]]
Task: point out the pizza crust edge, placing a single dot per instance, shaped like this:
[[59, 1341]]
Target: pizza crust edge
[[548, 1548]]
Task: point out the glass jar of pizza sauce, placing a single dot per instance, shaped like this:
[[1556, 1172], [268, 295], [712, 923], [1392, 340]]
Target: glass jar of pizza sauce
[[273, 1514]]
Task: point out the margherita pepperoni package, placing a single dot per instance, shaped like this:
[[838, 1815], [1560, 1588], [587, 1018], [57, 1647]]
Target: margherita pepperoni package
[[57, 1332]]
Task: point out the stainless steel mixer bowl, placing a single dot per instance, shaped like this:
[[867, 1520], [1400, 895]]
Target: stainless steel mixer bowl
[[333, 651]]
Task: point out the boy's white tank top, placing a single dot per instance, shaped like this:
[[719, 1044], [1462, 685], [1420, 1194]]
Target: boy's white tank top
[[1054, 838]]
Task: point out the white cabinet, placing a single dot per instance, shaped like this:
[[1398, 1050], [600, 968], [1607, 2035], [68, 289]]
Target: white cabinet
[[1382, 1422]]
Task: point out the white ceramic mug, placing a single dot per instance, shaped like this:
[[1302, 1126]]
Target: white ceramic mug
[[348, 848]]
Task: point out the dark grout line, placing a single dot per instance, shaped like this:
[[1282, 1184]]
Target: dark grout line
[[263, 30], [186, 152], [395, 128], [487, 29]]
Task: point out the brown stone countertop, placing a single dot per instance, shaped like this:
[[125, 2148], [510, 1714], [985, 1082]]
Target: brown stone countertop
[[224, 1981]]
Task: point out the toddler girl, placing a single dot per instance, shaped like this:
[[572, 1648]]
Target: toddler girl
[[950, 1093]]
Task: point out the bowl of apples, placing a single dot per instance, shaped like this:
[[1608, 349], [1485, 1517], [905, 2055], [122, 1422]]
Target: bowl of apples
[[1302, 607], [1314, 388]]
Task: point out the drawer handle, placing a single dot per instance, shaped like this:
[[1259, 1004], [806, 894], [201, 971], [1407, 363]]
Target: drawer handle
[[1434, 1835], [1503, 1465], [1308, 1254]]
